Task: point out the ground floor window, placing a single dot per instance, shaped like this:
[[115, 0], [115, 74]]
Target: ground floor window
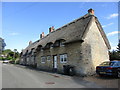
[[27, 60], [48, 58], [63, 58], [43, 59], [32, 59]]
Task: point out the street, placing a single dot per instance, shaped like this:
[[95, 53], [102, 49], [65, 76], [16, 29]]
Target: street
[[16, 76]]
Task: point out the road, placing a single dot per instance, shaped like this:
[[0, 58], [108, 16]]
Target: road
[[15, 76]]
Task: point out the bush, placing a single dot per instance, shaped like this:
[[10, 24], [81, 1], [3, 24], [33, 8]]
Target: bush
[[17, 61], [0, 58]]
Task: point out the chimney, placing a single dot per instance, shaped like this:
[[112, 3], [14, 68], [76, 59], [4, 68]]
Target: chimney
[[51, 29], [91, 11], [42, 35], [30, 42]]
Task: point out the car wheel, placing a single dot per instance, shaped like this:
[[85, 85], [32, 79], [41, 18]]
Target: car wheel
[[118, 74]]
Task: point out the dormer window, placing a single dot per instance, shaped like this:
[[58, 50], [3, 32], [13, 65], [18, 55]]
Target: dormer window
[[56, 44], [32, 51], [49, 45], [41, 49], [59, 43], [62, 43]]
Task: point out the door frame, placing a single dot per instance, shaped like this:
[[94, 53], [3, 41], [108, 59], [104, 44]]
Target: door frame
[[55, 69]]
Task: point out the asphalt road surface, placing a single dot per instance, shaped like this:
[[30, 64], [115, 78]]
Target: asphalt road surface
[[21, 77]]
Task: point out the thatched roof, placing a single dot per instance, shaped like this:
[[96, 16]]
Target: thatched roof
[[30, 47], [70, 32]]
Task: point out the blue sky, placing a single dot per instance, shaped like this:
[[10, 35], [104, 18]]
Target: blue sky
[[25, 21]]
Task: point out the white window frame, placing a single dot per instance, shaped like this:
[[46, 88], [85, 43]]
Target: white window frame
[[63, 56], [43, 59]]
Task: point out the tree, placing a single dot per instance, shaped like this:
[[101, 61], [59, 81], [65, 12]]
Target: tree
[[115, 54], [16, 54], [11, 55], [118, 48]]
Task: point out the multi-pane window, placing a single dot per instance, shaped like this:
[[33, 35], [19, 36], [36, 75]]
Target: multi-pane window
[[63, 58], [43, 59], [27, 60], [48, 58], [61, 43]]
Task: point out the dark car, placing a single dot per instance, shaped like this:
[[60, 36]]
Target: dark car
[[111, 68]]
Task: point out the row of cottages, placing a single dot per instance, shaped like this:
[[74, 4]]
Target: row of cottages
[[81, 43]]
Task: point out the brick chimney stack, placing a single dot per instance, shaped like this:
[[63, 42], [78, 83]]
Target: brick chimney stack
[[91, 11], [42, 35], [30, 42], [51, 29]]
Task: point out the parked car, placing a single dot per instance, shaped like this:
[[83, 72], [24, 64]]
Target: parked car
[[12, 62], [111, 68], [6, 61]]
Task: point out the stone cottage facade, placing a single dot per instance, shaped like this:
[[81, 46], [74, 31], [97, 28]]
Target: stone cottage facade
[[81, 43]]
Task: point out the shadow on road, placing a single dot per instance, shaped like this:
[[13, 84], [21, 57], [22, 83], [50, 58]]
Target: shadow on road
[[87, 83], [106, 77]]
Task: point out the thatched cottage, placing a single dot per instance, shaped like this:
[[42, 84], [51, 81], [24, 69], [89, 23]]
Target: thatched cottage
[[81, 43]]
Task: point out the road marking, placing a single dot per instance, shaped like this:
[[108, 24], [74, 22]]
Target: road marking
[[49, 82]]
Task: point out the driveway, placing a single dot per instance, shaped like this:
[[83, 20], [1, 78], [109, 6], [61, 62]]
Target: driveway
[[105, 81]]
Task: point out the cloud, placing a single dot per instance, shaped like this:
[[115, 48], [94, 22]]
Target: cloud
[[113, 33], [113, 48], [112, 15], [108, 25], [14, 34]]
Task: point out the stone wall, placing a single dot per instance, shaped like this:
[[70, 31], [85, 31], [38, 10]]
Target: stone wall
[[73, 51], [94, 50]]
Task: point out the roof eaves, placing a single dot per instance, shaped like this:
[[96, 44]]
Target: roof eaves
[[102, 33], [87, 27]]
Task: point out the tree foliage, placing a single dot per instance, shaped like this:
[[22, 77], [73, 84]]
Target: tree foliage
[[115, 54], [10, 55], [118, 48]]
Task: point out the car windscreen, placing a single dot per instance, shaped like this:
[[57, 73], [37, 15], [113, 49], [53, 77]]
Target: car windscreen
[[107, 64], [116, 64]]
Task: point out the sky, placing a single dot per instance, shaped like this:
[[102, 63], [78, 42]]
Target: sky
[[25, 21]]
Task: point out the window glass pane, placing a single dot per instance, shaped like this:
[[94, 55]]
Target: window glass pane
[[48, 58], [63, 58], [42, 59]]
